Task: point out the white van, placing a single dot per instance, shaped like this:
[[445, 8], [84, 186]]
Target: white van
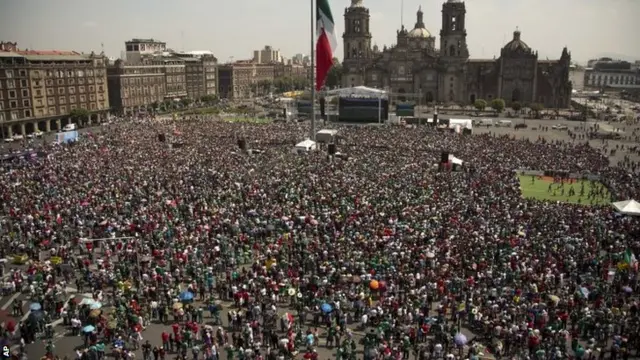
[[70, 127], [504, 123]]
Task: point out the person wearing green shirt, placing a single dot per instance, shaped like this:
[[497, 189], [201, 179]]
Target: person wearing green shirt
[[229, 350]]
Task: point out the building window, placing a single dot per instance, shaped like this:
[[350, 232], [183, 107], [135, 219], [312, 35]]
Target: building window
[[70, 73], [49, 82], [39, 102], [13, 104], [62, 100], [26, 103], [25, 93], [23, 83], [72, 90], [8, 73], [91, 88], [61, 91], [82, 98], [51, 101], [60, 82], [81, 89], [12, 94], [72, 107], [63, 109], [72, 99], [50, 91], [11, 84], [38, 92], [52, 111], [1, 117], [23, 72], [14, 115], [27, 113]]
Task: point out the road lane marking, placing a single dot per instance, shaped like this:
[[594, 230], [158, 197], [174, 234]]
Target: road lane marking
[[11, 300]]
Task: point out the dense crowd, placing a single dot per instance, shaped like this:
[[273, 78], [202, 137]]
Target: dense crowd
[[425, 263]]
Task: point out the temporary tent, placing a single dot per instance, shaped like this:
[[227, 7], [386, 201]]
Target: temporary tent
[[304, 146], [326, 135], [358, 91], [628, 207]]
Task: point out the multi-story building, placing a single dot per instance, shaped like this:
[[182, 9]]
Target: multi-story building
[[200, 69], [136, 49], [608, 73], [268, 55], [237, 80], [175, 77], [39, 89], [134, 87], [290, 70]]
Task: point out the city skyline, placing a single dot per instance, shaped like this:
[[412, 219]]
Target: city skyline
[[589, 28]]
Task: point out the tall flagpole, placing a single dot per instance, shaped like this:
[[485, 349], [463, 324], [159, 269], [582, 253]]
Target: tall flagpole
[[313, 71]]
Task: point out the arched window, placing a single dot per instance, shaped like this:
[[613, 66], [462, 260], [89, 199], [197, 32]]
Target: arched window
[[452, 50], [454, 25]]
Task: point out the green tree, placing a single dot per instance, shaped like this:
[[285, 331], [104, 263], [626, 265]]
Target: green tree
[[498, 105], [185, 102], [516, 106], [79, 114], [209, 99], [334, 77], [536, 108], [480, 104], [154, 105]]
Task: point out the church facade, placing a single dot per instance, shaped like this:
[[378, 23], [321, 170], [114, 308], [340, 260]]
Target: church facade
[[446, 74]]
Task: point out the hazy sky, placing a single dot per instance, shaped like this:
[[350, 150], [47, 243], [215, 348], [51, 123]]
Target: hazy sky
[[235, 28]]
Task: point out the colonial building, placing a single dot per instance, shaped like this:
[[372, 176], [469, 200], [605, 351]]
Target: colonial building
[[39, 89], [236, 80], [134, 87], [415, 69], [608, 73], [201, 73]]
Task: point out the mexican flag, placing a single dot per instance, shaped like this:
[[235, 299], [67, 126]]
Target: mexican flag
[[326, 42]]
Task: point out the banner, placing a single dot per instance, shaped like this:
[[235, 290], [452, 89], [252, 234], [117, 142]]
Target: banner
[[67, 137]]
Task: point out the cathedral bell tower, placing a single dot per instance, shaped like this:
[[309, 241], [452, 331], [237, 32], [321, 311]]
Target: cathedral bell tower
[[357, 43], [453, 36]]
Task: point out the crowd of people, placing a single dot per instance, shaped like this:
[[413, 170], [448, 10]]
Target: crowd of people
[[260, 254]]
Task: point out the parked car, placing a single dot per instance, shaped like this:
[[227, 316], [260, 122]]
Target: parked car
[[520, 126], [8, 140], [559, 127], [18, 137]]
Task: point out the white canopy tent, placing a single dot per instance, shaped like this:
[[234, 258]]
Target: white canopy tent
[[628, 207], [358, 91], [305, 146]]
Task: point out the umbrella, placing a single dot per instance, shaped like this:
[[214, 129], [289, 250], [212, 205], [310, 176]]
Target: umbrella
[[88, 329], [94, 313], [326, 308], [186, 296], [460, 339], [430, 255], [95, 306], [177, 306], [87, 301], [36, 316], [35, 306], [554, 298], [374, 284]]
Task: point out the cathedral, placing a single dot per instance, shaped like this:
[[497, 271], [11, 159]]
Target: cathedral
[[416, 67]]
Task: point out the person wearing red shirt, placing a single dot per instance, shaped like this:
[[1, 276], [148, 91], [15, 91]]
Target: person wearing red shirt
[[165, 340]]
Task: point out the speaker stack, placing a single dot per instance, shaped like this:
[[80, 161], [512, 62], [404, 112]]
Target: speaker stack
[[242, 144], [332, 149], [161, 138], [444, 157]]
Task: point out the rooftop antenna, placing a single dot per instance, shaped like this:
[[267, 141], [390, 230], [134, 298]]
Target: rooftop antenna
[[401, 13], [102, 47]]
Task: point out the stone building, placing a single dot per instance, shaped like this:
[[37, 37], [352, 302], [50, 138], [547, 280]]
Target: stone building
[[134, 87], [39, 89], [612, 74], [201, 73], [236, 80], [415, 69]]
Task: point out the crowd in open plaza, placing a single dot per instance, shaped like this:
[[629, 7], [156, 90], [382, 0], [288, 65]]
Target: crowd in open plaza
[[127, 246]]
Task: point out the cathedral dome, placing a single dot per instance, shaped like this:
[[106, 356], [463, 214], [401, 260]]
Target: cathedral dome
[[419, 33], [517, 45]]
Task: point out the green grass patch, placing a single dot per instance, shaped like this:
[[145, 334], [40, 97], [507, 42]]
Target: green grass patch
[[539, 190], [247, 120]]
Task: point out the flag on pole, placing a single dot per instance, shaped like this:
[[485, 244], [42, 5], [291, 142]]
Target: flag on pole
[[326, 42]]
